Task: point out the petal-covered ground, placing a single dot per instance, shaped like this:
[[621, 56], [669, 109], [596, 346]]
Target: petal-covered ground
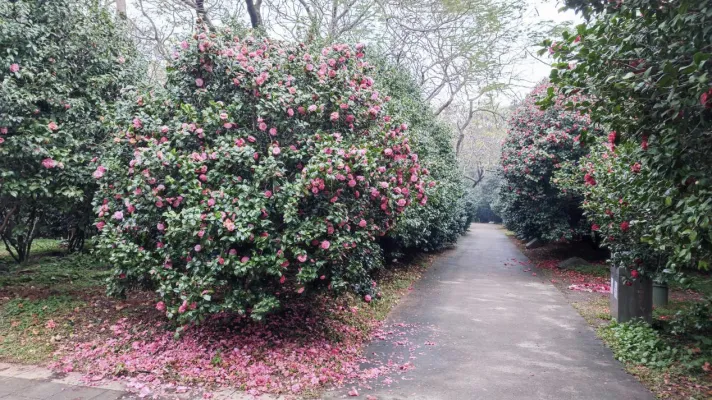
[[308, 347]]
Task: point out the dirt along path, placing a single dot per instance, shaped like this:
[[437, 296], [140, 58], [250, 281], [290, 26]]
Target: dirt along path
[[480, 325]]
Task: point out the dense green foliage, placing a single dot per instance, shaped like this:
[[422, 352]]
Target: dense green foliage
[[645, 67], [56, 86], [260, 170], [538, 142], [447, 213]]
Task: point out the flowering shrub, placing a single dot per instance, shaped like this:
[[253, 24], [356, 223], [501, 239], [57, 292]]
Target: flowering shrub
[[445, 216], [612, 180], [647, 65], [262, 170], [62, 66], [538, 142]]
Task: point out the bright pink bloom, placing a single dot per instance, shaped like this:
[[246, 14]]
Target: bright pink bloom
[[634, 273], [625, 225], [161, 306], [362, 223], [199, 82], [325, 245], [14, 68], [367, 298], [197, 248]]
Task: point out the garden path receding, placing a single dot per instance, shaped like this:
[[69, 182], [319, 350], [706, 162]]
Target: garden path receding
[[481, 325]]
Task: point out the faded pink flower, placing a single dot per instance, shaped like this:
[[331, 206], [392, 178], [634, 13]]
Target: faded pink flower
[[100, 170], [52, 126], [199, 82], [14, 68], [325, 245], [49, 163], [118, 215], [197, 248]]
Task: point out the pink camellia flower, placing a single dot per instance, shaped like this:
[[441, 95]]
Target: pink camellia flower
[[312, 108], [244, 259], [612, 137], [301, 258], [211, 202], [52, 126], [634, 273], [401, 202], [388, 152], [595, 227], [367, 298], [290, 112], [268, 193], [161, 306], [352, 183], [276, 151], [161, 227], [100, 225], [14, 68], [197, 248], [100, 170], [635, 168], [118, 215], [325, 245], [203, 177], [625, 225], [183, 307], [164, 129], [3, 130], [251, 139], [184, 45], [229, 225], [273, 131], [223, 116], [49, 163], [263, 126], [362, 223], [199, 82], [334, 116]]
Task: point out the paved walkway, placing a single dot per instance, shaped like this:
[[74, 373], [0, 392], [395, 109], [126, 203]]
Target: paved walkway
[[498, 333]]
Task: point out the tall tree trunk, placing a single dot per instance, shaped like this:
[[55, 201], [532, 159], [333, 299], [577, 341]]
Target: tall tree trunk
[[253, 8], [121, 8]]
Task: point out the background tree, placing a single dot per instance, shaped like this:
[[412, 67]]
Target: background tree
[[57, 86]]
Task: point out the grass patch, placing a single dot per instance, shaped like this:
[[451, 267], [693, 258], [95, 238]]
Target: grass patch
[[40, 247], [60, 274], [599, 270], [30, 329], [596, 312]]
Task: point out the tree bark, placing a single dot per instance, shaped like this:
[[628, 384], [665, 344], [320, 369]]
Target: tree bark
[[253, 8], [121, 8]]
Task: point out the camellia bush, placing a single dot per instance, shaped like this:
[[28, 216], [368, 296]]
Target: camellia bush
[[62, 66], [608, 178], [537, 143], [445, 216], [261, 170], [646, 67]]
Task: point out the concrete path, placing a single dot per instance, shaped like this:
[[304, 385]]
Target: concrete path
[[491, 331]]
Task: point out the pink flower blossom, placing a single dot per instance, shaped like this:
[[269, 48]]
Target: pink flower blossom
[[276, 151], [184, 45], [325, 245], [367, 298], [199, 82], [302, 258], [268, 193], [263, 126], [118, 215], [100, 225], [334, 116], [197, 248], [50, 324], [161, 227], [161, 306], [362, 223], [49, 163], [99, 172], [52, 126], [312, 108], [14, 68]]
